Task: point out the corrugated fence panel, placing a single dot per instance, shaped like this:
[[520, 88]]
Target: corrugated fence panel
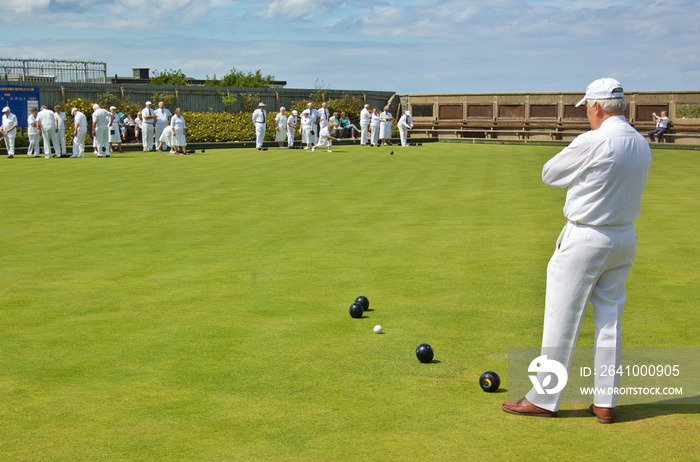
[[196, 98]]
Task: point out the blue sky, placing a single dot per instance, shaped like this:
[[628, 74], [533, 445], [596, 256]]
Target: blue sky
[[405, 46]]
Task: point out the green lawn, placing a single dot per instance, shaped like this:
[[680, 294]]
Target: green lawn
[[196, 307]]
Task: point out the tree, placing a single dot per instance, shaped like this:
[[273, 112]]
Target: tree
[[236, 78], [169, 77]]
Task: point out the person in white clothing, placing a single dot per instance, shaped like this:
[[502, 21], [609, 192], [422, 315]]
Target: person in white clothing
[[9, 130], [148, 120], [33, 133], [100, 129], [177, 122], [291, 126], [163, 117], [604, 171], [325, 137], [405, 123], [81, 126], [167, 138], [260, 123], [661, 126], [365, 117], [313, 115], [61, 123], [46, 121], [385, 119], [281, 127], [114, 136], [306, 128], [374, 124], [323, 115]]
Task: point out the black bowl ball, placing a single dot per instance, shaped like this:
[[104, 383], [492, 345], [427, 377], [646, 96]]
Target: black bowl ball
[[489, 381], [356, 310], [362, 300], [424, 353]]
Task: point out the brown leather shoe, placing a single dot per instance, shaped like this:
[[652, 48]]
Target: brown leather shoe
[[525, 407], [605, 415]]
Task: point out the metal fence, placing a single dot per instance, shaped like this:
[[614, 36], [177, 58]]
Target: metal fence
[[196, 98], [52, 70]]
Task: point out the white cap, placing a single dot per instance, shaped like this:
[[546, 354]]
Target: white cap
[[295, 112], [408, 113], [112, 107], [95, 106], [605, 88], [148, 103], [6, 109], [261, 104], [305, 111], [73, 111]]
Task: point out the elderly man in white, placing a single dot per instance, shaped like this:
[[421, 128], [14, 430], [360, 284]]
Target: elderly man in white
[[365, 117], [260, 123], [61, 123], [9, 129], [405, 123], [148, 120], [79, 132], [100, 129], [323, 115], [46, 120], [163, 117]]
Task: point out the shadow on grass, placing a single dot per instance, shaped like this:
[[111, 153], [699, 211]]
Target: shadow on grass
[[635, 412]]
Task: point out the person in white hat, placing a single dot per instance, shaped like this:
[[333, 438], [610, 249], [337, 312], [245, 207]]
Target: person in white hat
[[115, 136], [80, 129], [148, 120], [307, 125], [260, 123], [100, 129], [46, 120], [604, 172], [281, 128], [61, 124], [291, 126], [405, 123], [163, 117], [9, 130]]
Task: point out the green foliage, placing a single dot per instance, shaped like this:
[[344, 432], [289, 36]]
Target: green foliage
[[166, 98], [319, 94], [250, 101], [688, 111], [228, 100], [236, 78], [169, 77]]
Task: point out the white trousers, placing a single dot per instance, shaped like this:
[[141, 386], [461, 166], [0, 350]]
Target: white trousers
[[79, 144], [50, 137], [364, 131], [102, 139], [33, 149], [375, 134], [147, 136], [62, 140], [10, 142], [260, 128], [403, 133], [290, 137], [159, 132], [589, 264]]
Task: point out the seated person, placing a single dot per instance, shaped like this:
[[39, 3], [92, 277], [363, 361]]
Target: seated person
[[347, 126], [337, 130], [129, 128]]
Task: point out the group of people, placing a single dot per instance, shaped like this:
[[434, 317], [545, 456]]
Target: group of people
[[319, 128], [107, 130]]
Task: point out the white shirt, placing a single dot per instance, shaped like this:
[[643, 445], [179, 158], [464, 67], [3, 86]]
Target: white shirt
[[177, 123], [146, 112], [61, 120], [162, 116], [291, 120], [605, 171], [365, 116], [323, 114], [375, 119], [405, 121], [47, 119], [101, 117], [9, 121], [31, 130], [80, 122], [281, 120], [259, 116], [662, 122], [306, 121]]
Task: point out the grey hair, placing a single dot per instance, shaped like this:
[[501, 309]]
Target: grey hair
[[609, 105]]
